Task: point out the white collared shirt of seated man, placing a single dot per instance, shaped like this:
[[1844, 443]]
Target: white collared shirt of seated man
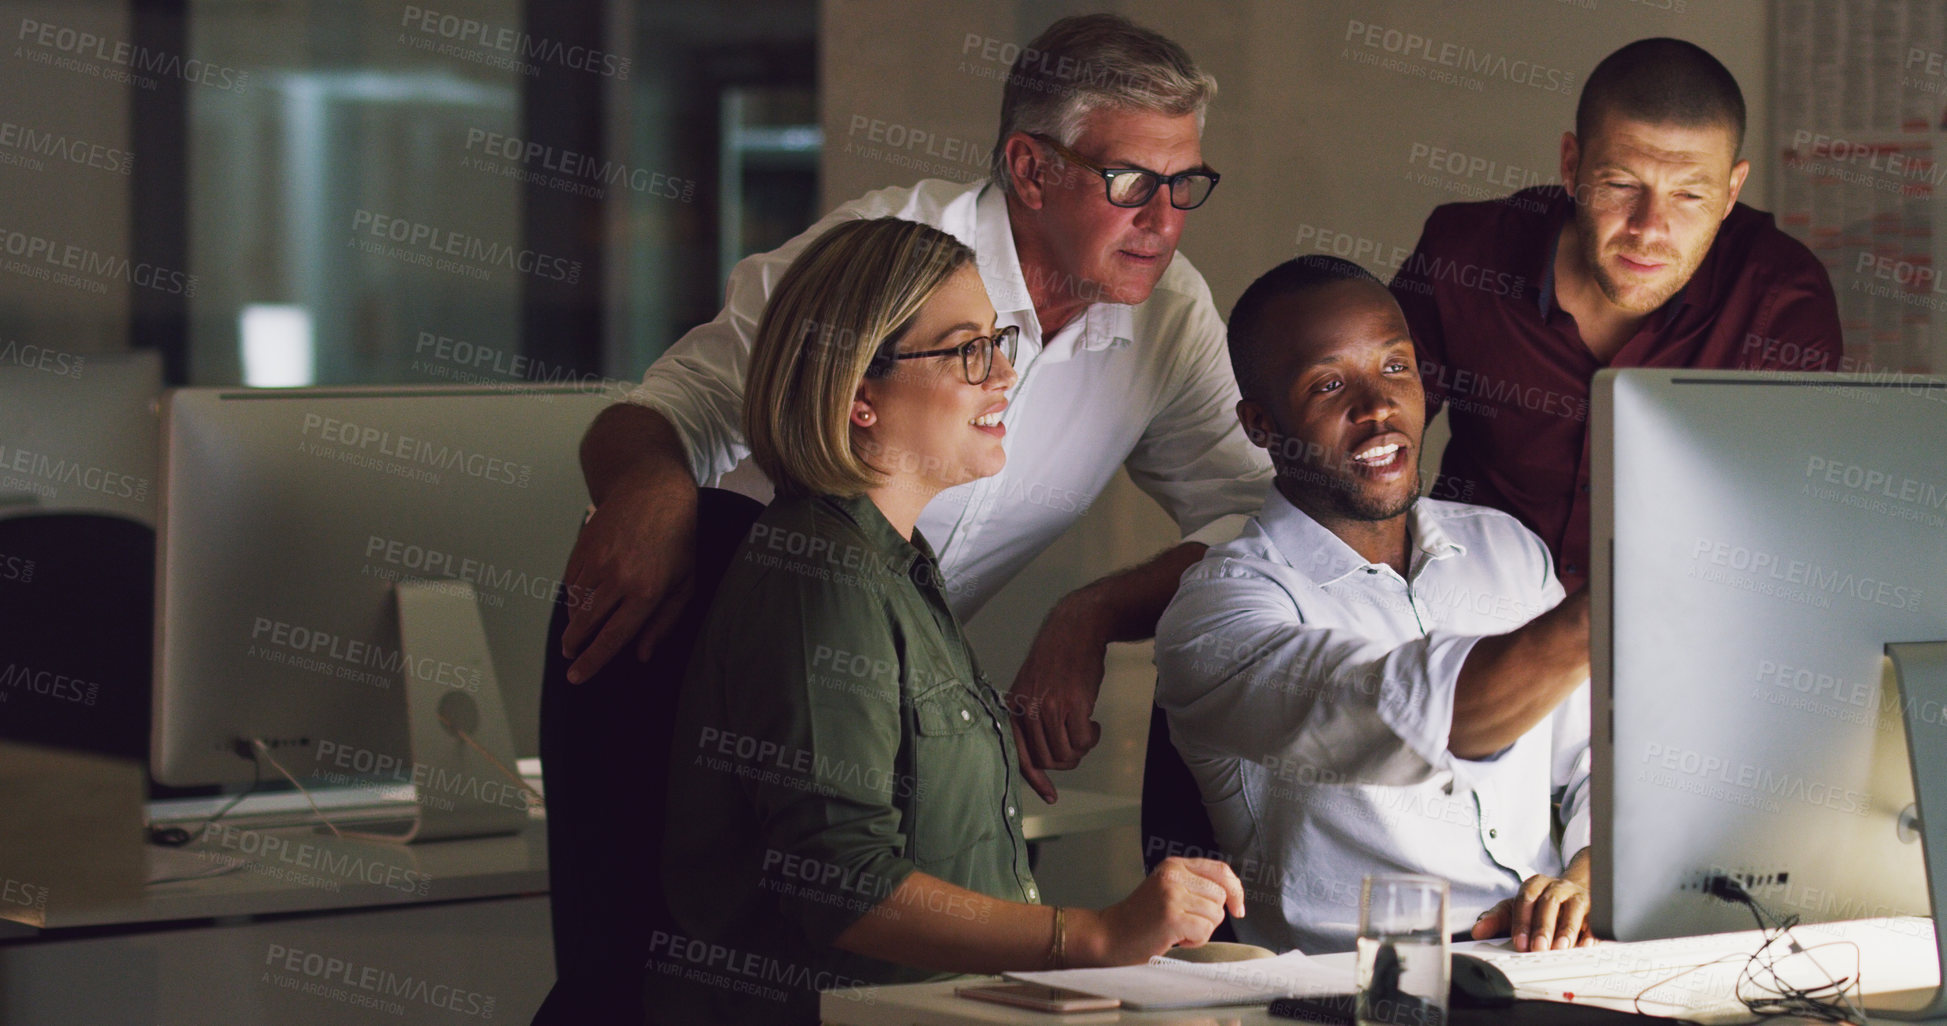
[[1367, 681]]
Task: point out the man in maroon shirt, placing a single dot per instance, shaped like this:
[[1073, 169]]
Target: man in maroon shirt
[[1641, 258]]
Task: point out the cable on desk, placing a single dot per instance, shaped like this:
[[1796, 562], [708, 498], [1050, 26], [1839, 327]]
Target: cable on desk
[[1769, 995], [533, 792], [176, 837]]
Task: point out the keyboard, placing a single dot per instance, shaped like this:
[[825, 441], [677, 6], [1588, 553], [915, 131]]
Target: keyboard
[[1611, 958], [1886, 958]]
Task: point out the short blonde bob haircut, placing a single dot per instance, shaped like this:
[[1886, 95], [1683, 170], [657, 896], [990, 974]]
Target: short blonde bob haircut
[[855, 289]]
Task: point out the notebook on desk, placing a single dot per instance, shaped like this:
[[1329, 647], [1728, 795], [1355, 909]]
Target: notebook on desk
[[1166, 983]]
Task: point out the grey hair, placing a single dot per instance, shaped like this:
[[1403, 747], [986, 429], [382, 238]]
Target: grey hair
[[1093, 62]]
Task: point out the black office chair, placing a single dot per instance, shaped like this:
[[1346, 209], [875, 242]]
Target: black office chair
[[605, 760], [77, 623], [1174, 821]]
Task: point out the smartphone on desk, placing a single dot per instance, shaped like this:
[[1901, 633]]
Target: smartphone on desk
[[1038, 996]]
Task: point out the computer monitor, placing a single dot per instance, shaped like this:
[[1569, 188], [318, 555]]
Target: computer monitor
[[293, 527], [78, 431], [1759, 539]]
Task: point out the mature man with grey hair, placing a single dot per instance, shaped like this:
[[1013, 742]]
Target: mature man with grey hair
[[1121, 362]]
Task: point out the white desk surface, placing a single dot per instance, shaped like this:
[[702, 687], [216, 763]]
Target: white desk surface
[[311, 872], [935, 1004], [316, 872]]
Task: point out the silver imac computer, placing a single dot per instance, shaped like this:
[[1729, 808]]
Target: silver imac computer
[[78, 431], [354, 587], [1762, 544]]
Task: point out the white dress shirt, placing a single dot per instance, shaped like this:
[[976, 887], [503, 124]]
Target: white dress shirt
[[1311, 693], [1148, 387]]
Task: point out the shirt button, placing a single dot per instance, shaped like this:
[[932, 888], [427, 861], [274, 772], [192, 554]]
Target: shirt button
[[1585, 488], [1372, 569], [1572, 568], [1010, 810], [1491, 832], [965, 715], [1032, 895]]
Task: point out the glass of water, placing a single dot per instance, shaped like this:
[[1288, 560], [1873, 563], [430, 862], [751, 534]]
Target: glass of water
[[1403, 955]]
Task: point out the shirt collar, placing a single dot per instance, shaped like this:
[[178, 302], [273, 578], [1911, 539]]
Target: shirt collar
[[900, 555], [1098, 327], [1306, 545], [1000, 263], [1559, 211]]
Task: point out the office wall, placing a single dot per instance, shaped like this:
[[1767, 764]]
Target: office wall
[[65, 160], [1334, 133]]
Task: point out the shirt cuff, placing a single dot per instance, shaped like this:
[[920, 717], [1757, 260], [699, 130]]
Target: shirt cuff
[[1223, 529], [700, 469], [1575, 834], [1417, 694]]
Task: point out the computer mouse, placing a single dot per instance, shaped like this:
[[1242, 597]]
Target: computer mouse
[[1476, 984]]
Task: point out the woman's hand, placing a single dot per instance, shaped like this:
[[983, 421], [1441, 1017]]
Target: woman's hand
[[1180, 903]]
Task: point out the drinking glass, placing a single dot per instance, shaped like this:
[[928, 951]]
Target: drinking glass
[[1403, 953]]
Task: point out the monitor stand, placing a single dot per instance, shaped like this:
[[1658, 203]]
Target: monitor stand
[[1921, 669], [461, 789]]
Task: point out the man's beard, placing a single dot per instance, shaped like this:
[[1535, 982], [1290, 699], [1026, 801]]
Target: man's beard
[[1614, 289], [1335, 495]]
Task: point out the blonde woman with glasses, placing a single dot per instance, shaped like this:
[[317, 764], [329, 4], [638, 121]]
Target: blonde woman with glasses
[[842, 809]]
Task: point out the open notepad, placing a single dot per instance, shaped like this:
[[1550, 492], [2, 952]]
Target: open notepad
[[1169, 983]]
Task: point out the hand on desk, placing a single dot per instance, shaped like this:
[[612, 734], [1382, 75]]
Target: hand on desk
[[1181, 902], [1548, 913]]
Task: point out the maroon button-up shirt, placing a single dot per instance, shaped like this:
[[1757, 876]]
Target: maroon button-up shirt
[[1515, 375]]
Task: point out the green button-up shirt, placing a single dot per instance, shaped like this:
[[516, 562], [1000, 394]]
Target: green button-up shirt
[[835, 734]]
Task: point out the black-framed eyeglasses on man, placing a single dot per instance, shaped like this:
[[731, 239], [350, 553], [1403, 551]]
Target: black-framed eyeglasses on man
[[1133, 186], [976, 355]]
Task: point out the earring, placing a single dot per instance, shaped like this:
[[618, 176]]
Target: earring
[[865, 418]]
